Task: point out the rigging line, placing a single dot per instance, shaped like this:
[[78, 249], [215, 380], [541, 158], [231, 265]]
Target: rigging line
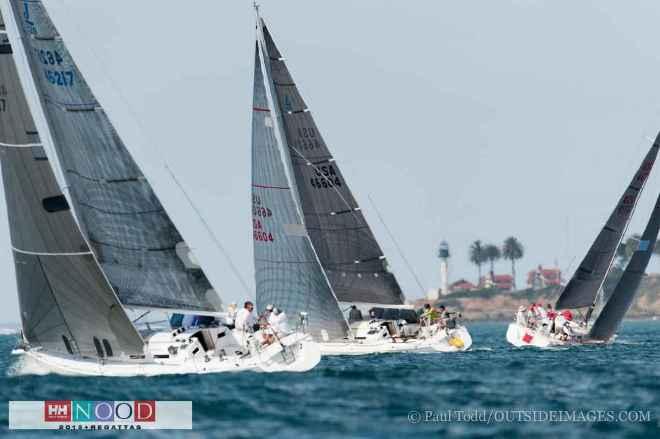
[[210, 231], [396, 244], [144, 314]]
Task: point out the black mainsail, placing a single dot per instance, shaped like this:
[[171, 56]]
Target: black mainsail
[[66, 303], [622, 298], [139, 248], [582, 289], [346, 247], [287, 271]]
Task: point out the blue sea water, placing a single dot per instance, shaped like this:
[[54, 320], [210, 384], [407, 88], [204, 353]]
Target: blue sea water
[[377, 396]]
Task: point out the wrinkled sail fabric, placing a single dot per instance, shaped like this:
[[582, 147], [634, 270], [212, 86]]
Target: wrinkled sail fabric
[[583, 287], [287, 272], [622, 298], [344, 243], [65, 301], [138, 246]]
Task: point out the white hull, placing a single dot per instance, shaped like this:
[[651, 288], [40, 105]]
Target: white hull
[[455, 340], [299, 354], [519, 336]]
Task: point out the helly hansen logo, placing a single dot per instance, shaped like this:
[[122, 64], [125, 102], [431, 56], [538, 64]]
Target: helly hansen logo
[[100, 411], [57, 411]]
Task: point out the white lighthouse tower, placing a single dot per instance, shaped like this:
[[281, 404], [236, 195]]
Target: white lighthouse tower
[[443, 254]]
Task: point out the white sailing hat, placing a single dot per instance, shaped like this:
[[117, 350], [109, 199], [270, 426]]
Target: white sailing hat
[[269, 307]]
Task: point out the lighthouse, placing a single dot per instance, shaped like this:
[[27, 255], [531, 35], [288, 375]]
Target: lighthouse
[[443, 254]]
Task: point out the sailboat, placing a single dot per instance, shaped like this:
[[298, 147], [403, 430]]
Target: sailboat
[[585, 287], [90, 238], [313, 249]]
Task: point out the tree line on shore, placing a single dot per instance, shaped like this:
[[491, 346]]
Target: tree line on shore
[[511, 250]]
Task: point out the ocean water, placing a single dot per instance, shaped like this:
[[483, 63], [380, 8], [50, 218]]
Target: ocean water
[[494, 390]]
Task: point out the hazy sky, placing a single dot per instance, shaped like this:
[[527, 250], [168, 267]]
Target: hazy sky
[[462, 120]]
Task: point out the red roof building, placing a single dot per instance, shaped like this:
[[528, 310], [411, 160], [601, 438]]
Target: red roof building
[[461, 285], [502, 282], [543, 277]]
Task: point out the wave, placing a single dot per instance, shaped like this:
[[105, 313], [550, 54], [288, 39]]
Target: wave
[[8, 331]]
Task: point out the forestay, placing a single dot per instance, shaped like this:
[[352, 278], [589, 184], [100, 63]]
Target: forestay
[[583, 287], [287, 271], [65, 302], [612, 314], [344, 243], [138, 246]]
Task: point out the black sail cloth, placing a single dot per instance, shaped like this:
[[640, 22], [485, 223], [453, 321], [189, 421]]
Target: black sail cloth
[[583, 287], [349, 253], [622, 298]]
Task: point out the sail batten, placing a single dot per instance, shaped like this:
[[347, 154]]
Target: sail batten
[[287, 271], [133, 238], [64, 298], [583, 288], [322, 190], [624, 293]]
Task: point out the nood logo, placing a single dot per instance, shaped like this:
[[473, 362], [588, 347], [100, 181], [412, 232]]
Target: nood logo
[[100, 411], [100, 415]]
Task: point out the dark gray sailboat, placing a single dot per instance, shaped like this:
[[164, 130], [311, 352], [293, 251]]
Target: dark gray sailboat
[[583, 290], [312, 245]]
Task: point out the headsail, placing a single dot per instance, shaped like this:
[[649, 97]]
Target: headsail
[[66, 303], [287, 271], [583, 287], [346, 246], [612, 314], [139, 248]]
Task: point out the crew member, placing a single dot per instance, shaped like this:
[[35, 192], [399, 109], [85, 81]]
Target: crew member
[[245, 322], [231, 315], [354, 315], [278, 322]]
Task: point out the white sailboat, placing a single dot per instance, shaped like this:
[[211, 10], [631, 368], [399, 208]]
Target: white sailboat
[[90, 237], [313, 249], [585, 287]]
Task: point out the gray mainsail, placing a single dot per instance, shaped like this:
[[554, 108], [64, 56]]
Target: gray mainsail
[[286, 269], [621, 299], [139, 248], [583, 287], [353, 261], [65, 301]]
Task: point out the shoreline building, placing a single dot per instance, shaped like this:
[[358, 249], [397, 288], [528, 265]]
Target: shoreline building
[[543, 277]]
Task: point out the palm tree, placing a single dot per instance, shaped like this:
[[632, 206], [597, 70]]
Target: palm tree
[[477, 256], [513, 250], [492, 253]]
